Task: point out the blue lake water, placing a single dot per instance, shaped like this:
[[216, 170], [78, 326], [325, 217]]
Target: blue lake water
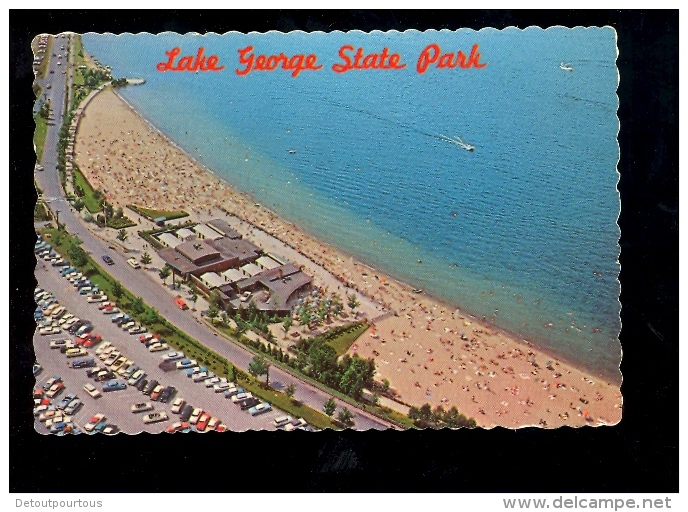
[[522, 230]]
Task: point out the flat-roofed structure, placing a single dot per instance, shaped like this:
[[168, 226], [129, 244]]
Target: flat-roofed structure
[[273, 290], [267, 263], [212, 280], [251, 269], [198, 252], [233, 275], [243, 250], [204, 231], [185, 234], [223, 228], [169, 240]]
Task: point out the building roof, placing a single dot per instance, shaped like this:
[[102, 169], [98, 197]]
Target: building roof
[[169, 239], [242, 249], [282, 282], [185, 233], [233, 275], [207, 232], [223, 228], [267, 263], [198, 251], [251, 269], [212, 279]]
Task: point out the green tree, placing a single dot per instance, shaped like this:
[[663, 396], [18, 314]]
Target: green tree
[[290, 391], [79, 205], [345, 416], [119, 213], [152, 317], [122, 235], [212, 312], [425, 412], [304, 315], [146, 258], [323, 358], [329, 406], [224, 318], [117, 289], [165, 273], [352, 302], [137, 306], [259, 366], [286, 324], [77, 254], [336, 304]]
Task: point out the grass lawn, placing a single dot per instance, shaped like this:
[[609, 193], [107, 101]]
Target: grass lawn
[[181, 341], [92, 204], [152, 214], [39, 135], [342, 342]]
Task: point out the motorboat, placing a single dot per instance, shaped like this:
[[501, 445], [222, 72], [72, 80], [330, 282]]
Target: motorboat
[[566, 67]]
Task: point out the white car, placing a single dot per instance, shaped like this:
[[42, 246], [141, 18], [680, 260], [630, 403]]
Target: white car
[[96, 298], [209, 383], [98, 418], [138, 375], [141, 407], [65, 318], [200, 376], [60, 343], [91, 390], [134, 263], [155, 417], [195, 414], [280, 421], [173, 356], [104, 347], [158, 347], [177, 405], [221, 387], [47, 331]]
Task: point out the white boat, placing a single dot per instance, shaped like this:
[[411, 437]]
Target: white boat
[[292, 151], [467, 147], [566, 67], [457, 140]]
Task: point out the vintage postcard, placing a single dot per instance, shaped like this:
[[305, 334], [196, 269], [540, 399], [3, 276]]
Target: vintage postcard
[[307, 231]]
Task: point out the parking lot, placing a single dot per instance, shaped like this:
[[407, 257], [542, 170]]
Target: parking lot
[[116, 405]]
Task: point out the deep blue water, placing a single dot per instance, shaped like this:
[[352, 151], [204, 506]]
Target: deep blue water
[[525, 224]]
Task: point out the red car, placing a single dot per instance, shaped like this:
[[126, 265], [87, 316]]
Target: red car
[[38, 393], [104, 305], [202, 422]]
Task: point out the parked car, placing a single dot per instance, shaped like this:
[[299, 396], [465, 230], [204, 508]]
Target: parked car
[[138, 329], [155, 417], [97, 298], [76, 352], [65, 401], [141, 407], [185, 412], [209, 383], [260, 409], [150, 387], [173, 356], [202, 422], [84, 363], [167, 393], [94, 421], [104, 375], [240, 396], [158, 347], [91, 390], [195, 415], [248, 403], [136, 377], [221, 387], [114, 385], [146, 337], [141, 384], [213, 423], [73, 406], [177, 405], [155, 394], [185, 363]]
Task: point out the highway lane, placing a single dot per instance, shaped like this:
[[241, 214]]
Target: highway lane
[[116, 405], [149, 287]]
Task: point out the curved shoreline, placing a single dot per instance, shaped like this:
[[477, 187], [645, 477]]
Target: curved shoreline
[[253, 216], [530, 340]]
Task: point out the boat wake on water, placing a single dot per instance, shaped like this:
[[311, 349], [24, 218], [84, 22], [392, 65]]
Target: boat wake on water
[[457, 140]]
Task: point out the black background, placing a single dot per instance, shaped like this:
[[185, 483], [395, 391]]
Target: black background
[[640, 454]]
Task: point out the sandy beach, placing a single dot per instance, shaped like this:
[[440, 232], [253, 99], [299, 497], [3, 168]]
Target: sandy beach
[[430, 352]]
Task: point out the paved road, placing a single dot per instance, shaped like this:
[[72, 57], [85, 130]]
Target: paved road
[[115, 405], [147, 287]]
